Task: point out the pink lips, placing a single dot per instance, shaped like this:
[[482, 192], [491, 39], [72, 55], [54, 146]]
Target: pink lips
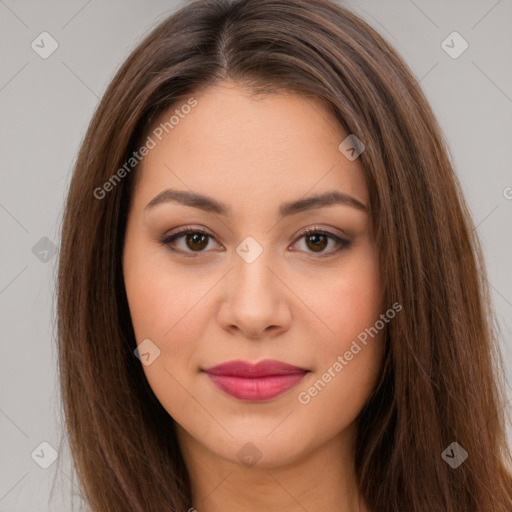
[[263, 381]]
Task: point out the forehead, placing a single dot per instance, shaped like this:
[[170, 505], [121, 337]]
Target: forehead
[[232, 142]]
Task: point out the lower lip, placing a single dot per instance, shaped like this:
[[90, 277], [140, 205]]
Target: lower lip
[[256, 389]]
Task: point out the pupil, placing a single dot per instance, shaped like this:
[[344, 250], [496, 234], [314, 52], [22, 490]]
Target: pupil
[[316, 244], [197, 238]]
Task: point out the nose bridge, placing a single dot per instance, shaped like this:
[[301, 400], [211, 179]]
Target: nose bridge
[[254, 300], [252, 277]]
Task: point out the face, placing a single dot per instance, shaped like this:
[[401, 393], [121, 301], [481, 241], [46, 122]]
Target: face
[[255, 299]]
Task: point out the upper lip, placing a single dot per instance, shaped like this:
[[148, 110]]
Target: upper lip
[[264, 368]]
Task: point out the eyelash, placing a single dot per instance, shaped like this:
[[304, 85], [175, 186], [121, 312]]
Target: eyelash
[[342, 244]]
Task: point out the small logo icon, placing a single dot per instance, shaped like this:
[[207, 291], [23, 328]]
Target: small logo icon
[[249, 250], [454, 45], [44, 45], [44, 455], [44, 250], [454, 455], [249, 455], [147, 352], [351, 147]]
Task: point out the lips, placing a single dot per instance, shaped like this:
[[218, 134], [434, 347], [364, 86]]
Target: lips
[[255, 382]]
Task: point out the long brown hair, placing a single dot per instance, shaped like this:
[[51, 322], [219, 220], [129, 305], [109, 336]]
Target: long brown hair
[[441, 380]]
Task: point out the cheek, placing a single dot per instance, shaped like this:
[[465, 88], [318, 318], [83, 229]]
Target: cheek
[[348, 364], [164, 306], [352, 301], [334, 398], [166, 309], [350, 355]]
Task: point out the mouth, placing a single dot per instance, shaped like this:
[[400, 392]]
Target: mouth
[[255, 382]]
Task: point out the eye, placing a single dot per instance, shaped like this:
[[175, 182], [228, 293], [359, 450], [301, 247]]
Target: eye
[[196, 240], [318, 239]]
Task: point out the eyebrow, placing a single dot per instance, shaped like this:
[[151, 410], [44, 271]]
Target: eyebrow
[[208, 204]]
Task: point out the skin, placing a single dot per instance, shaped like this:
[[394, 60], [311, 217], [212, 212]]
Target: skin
[[293, 304]]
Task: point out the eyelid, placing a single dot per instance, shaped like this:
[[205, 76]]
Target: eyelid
[[342, 243], [322, 230]]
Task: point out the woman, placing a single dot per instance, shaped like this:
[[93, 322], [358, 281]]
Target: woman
[[270, 291]]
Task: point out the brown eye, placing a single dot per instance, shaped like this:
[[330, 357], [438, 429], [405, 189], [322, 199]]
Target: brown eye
[[196, 241], [192, 241], [316, 242]]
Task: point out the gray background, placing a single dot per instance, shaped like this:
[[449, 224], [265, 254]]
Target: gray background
[[46, 104]]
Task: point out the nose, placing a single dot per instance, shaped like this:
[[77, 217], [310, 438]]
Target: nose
[[255, 300]]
